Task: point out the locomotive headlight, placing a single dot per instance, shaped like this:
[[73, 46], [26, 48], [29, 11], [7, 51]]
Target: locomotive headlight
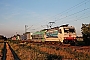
[[74, 37], [65, 38]]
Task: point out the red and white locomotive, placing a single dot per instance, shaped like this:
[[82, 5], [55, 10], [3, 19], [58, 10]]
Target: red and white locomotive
[[64, 34]]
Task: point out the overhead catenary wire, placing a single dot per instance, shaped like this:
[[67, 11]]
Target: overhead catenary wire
[[84, 15], [67, 10], [70, 9], [73, 14], [74, 7], [80, 19]]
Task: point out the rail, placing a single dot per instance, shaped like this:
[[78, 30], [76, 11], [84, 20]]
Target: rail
[[9, 53]]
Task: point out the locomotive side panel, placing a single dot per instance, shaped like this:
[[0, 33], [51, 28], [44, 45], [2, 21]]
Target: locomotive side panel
[[61, 34], [52, 35]]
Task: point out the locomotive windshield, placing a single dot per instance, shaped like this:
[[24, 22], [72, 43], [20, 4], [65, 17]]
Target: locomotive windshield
[[67, 30], [72, 30]]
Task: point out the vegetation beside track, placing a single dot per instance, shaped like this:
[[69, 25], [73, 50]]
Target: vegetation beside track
[[41, 51], [1, 48]]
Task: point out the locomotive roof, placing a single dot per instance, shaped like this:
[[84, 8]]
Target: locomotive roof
[[44, 29], [39, 32], [69, 27], [64, 25]]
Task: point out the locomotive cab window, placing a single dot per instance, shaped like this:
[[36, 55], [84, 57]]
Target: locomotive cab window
[[72, 30], [66, 30], [60, 31]]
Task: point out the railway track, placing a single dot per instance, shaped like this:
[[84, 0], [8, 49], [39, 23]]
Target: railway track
[[8, 53]]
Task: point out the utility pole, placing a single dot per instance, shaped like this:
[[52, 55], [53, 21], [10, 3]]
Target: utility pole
[[26, 28], [16, 33], [47, 26]]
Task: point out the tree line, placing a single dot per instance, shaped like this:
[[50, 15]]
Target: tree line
[[85, 29], [2, 37]]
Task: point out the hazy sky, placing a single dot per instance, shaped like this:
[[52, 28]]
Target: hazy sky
[[15, 14]]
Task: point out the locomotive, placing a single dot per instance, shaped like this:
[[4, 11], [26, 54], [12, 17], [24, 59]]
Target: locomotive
[[64, 34]]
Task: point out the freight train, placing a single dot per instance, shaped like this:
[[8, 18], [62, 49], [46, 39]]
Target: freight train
[[63, 34]]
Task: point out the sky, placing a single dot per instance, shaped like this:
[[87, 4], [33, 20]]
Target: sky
[[36, 14]]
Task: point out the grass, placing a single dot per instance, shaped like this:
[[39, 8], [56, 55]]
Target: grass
[[1, 47], [44, 52]]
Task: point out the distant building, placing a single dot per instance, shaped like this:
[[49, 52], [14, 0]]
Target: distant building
[[1, 36], [16, 37], [22, 37], [28, 35], [13, 38], [25, 36]]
